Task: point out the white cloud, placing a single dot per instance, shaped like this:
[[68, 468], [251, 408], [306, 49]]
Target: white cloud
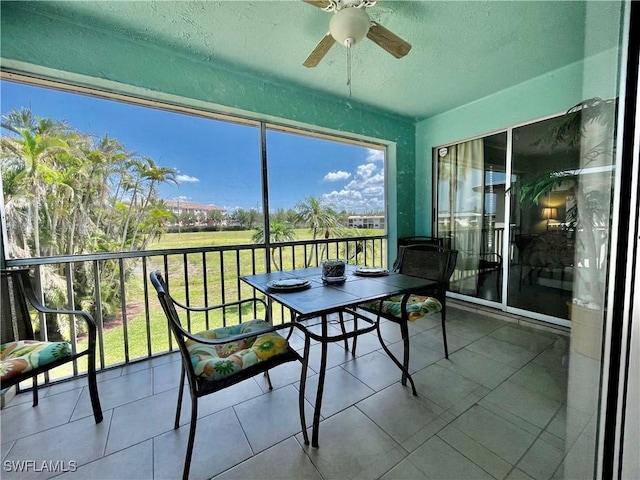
[[375, 155], [364, 171], [186, 179], [335, 176], [365, 192]]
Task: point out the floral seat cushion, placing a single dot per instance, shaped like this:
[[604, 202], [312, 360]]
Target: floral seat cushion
[[417, 306], [22, 356], [214, 362]]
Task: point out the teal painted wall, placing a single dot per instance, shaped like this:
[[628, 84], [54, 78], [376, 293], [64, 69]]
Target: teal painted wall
[[595, 76], [42, 45], [539, 97]]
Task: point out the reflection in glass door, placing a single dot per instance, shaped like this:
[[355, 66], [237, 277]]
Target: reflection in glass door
[[541, 274], [558, 204], [471, 193]]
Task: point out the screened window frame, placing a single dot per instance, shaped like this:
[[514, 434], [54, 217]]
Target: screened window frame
[[174, 107]]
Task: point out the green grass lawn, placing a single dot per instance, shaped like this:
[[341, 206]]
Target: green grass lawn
[[187, 270], [208, 239]]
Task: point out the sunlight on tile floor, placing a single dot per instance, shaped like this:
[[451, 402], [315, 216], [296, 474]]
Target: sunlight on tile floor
[[495, 409]]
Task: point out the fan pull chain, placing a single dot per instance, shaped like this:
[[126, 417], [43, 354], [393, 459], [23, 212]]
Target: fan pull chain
[[349, 69]]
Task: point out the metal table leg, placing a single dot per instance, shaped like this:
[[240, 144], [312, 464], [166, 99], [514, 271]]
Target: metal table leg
[[321, 375]]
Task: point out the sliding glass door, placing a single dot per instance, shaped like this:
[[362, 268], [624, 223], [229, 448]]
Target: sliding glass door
[[543, 220], [553, 249], [471, 206]]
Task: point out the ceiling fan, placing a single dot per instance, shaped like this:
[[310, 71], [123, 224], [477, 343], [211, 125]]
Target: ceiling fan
[[349, 24]]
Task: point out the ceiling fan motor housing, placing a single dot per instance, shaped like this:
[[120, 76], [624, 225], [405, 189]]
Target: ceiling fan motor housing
[[349, 25]]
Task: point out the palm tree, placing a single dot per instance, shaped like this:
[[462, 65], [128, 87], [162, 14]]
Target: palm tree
[[15, 204], [278, 232], [34, 185], [132, 185], [319, 218], [34, 144], [104, 159], [156, 217], [68, 193], [154, 175]]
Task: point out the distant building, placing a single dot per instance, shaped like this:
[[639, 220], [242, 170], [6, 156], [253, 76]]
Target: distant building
[[366, 221], [200, 211]]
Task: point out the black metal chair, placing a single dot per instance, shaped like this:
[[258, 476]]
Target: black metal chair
[[22, 357], [480, 266], [425, 261], [417, 240], [421, 240], [488, 263], [215, 359]]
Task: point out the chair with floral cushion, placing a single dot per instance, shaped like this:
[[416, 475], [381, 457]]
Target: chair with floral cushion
[[425, 261], [22, 357], [215, 359]]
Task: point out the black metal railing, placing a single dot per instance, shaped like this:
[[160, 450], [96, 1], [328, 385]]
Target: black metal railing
[[478, 244], [133, 327]]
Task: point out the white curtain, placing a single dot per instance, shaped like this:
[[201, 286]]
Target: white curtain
[[462, 171]]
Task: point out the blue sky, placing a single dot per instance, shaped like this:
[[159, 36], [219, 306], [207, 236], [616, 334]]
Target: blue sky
[[218, 162]]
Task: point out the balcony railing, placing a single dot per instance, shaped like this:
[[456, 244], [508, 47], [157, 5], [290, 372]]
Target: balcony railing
[[484, 243], [137, 329]]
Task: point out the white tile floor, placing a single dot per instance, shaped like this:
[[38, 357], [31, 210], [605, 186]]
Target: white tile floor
[[494, 409]]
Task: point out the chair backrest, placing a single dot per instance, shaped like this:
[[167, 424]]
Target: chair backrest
[[416, 240], [168, 305], [427, 261], [16, 320], [421, 240], [178, 331]]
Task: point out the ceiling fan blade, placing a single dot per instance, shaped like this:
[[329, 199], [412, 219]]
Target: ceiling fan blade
[[318, 3], [388, 40], [320, 51]]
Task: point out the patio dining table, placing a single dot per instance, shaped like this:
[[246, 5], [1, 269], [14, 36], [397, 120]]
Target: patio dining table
[[317, 298]]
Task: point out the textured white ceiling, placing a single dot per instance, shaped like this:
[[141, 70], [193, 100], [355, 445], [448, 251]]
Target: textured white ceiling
[[461, 50]]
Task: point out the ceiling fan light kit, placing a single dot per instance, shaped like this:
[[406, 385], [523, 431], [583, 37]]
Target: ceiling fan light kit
[[349, 25]]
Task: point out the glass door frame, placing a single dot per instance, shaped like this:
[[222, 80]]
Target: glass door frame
[[506, 246]]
